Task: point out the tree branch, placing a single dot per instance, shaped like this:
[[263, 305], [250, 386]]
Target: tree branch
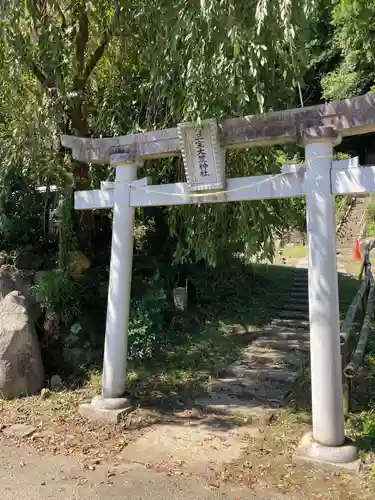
[[38, 73], [100, 49], [61, 15], [33, 66], [82, 38]]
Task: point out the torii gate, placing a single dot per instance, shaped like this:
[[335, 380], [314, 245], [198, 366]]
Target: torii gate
[[318, 129]]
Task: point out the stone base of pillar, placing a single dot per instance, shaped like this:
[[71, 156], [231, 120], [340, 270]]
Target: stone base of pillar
[[343, 457], [105, 409]]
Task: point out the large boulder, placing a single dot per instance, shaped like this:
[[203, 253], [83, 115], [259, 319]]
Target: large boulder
[[21, 366], [12, 279]]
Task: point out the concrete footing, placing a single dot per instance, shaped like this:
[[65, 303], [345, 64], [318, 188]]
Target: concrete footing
[[343, 457], [105, 409]]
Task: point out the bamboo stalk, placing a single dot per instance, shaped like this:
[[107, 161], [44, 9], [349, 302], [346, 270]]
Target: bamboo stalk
[[346, 382], [350, 315], [352, 368]]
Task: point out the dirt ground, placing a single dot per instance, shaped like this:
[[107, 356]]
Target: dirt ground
[[220, 456], [48, 451]]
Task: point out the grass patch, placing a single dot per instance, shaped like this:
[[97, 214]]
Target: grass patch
[[361, 421], [294, 252]]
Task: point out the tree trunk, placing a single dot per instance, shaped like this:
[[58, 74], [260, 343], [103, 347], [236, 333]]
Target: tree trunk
[[78, 126]]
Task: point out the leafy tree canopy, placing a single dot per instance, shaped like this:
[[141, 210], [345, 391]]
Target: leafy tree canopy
[[102, 67], [353, 22]]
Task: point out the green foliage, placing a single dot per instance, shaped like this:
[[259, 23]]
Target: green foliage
[[147, 323], [21, 213], [353, 23], [340, 85], [72, 297], [59, 292], [362, 422], [370, 218], [215, 231], [67, 240], [109, 68]]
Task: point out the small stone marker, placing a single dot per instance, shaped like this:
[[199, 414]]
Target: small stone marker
[[56, 382]]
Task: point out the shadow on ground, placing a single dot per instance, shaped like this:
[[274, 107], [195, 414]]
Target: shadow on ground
[[230, 307], [239, 313], [233, 307]]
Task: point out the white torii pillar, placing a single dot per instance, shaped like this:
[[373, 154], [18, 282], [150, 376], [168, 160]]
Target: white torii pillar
[[113, 401], [326, 443], [327, 401]]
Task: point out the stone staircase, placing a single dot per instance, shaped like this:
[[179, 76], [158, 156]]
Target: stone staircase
[[296, 307], [351, 228], [295, 311], [264, 375]]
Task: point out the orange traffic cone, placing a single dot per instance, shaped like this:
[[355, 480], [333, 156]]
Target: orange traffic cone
[[357, 251]]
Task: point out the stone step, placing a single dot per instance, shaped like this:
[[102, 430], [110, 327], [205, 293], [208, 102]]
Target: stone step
[[257, 357], [253, 382], [228, 397], [299, 293], [301, 281], [300, 287], [300, 284], [288, 314], [288, 344], [281, 335], [300, 271], [297, 301], [296, 324], [292, 306]]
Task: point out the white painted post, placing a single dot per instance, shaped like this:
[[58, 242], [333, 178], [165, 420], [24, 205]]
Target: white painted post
[[326, 379], [120, 276], [113, 402]]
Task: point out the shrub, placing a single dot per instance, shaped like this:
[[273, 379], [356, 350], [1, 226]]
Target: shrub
[[146, 323], [370, 217], [59, 292], [21, 216], [72, 299]]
